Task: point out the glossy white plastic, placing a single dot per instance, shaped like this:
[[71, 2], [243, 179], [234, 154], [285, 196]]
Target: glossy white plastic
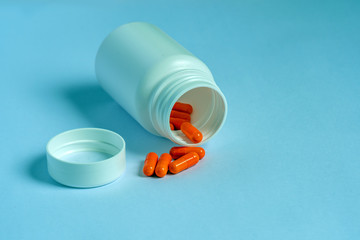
[[86, 157], [146, 72]]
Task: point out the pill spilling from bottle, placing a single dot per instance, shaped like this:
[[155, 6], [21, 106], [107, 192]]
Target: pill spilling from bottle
[[184, 158], [150, 164], [163, 165], [177, 152], [180, 119], [184, 162]]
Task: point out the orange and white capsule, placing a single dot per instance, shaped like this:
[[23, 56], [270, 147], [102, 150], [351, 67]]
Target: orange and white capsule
[[184, 162], [182, 115], [150, 163], [163, 165], [183, 107], [177, 152], [191, 132], [177, 122]]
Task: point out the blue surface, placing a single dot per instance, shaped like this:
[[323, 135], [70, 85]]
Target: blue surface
[[286, 165]]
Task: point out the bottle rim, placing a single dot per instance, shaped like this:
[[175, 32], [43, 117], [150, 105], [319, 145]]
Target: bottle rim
[[170, 93]]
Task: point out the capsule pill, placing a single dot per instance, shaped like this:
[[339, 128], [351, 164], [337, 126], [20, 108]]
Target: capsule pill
[[177, 122], [183, 107], [184, 162], [177, 152], [163, 165], [191, 132], [150, 163], [182, 115]]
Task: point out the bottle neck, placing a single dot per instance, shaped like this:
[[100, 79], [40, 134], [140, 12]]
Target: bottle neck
[[197, 88]]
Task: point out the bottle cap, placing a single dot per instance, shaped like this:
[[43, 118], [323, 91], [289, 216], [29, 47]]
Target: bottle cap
[[86, 157]]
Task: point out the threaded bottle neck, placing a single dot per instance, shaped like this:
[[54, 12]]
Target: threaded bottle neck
[[191, 86]]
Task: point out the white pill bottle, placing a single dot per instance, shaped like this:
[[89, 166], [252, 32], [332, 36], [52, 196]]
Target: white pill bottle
[[146, 72]]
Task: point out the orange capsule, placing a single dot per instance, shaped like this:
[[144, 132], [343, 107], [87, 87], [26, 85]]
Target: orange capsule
[[183, 107], [177, 122], [163, 165], [182, 115], [184, 162], [191, 132], [150, 163], [172, 126], [177, 152]]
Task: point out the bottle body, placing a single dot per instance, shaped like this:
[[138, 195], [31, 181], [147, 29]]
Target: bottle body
[[146, 72]]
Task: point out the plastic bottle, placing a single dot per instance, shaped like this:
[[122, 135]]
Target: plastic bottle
[[146, 72]]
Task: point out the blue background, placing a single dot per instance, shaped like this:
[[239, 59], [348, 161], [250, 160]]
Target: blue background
[[285, 165]]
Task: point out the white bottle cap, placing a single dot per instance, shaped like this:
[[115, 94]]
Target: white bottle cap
[[86, 157]]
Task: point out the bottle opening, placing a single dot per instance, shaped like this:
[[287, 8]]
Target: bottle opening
[[209, 113]]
